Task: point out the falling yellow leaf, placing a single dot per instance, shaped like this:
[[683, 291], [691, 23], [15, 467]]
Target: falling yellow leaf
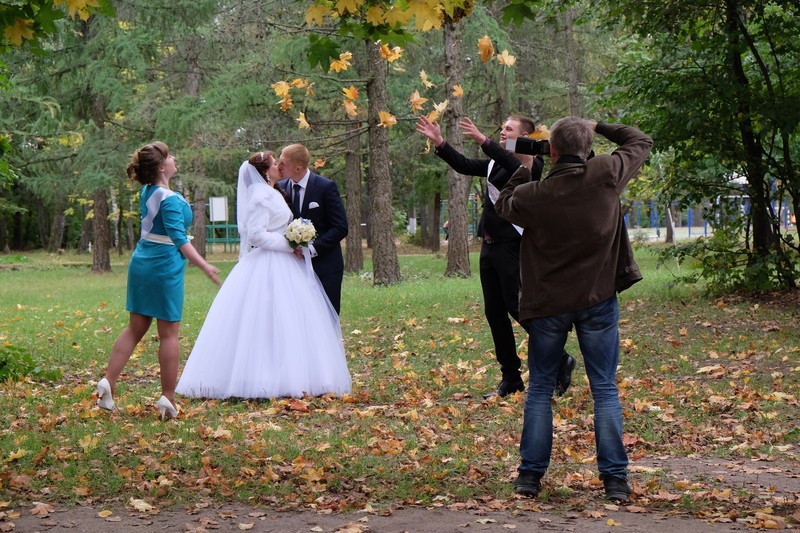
[[316, 14], [424, 77], [310, 90], [286, 103], [281, 88], [542, 133], [299, 83], [458, 91], [303, 123], [387, 119], [351, 93], [390, 54], [486, 48], [19, 31], [350, 108], [441, 106], [427, 15], [416, 102], [506, 59], [343, 63], [433, 116], [319, 163]]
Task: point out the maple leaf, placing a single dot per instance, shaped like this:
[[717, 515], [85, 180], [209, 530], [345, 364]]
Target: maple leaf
[[416, 102], [390, 54], [486, 48], [13, 456], [348, 6], [281, 88], [542, 133], [19, 31], [78, 7], [310, 90], [375, 15], [506, 59], [458, 91], [433, 116], [319, 163], [286, 103], [316, 14], [387, 119], [342, 63], [397, 17], [427, 15], [299, 83], [42, 509], [304, 125], [350, 108], [351, 93], [424, 77], [140, 505], [440, 107]]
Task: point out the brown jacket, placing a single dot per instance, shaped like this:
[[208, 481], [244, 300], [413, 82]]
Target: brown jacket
[[575, 250]]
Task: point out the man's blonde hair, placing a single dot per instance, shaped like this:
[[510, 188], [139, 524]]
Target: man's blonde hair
[[297, 154]]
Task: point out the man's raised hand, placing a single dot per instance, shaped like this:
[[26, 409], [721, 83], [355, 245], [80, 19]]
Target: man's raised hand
[[431, 130], [469, 129]]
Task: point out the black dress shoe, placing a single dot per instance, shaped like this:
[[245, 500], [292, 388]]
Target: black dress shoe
[[565, 374], [528, 484], [505, 388]]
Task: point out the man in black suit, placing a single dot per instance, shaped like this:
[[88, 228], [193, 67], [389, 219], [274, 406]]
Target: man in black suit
[[499, 260], [317, 199]]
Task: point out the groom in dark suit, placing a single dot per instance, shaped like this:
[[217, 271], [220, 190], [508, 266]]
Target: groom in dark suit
[[317, 199]]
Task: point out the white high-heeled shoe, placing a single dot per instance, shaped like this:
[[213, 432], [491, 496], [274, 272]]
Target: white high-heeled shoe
[[166, 408], [104, 398]]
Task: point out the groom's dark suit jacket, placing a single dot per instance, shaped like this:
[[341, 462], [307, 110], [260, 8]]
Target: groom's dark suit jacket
[[323, 206]]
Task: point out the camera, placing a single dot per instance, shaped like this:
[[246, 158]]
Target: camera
[[528, 146]]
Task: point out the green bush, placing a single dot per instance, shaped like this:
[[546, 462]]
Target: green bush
[[16, 363]]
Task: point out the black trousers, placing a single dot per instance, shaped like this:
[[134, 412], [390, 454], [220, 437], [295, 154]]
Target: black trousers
[[499, 271], [332, 283]]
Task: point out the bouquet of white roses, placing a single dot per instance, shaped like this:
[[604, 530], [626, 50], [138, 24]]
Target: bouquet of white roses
[[300, 232]]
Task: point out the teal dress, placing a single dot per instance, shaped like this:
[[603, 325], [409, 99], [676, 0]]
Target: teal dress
[[156, 269]]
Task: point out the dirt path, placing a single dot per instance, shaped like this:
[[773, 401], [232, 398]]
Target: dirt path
[[766, 492]]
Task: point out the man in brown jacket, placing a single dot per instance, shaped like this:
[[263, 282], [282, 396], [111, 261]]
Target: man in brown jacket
[[575, 256]]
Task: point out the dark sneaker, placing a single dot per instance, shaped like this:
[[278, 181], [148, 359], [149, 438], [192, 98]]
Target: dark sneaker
[[565, 374], [505, 388], [528, 483], [616, 487]]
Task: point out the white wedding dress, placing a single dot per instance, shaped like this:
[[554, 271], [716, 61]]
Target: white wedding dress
[[271, 331]]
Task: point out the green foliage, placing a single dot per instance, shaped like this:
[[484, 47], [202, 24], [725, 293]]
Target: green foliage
[[17, 363]]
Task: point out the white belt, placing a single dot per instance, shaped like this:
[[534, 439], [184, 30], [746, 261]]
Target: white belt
[[160, 239]]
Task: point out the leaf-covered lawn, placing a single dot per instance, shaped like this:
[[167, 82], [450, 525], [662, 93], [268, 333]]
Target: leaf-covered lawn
[[699, 379]]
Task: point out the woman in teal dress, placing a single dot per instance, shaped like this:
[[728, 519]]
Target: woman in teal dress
[[155, 275]]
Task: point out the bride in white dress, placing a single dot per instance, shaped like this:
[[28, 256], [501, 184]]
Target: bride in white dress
[[271, 331]]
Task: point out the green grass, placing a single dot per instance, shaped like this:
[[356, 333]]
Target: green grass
[[715, 377]]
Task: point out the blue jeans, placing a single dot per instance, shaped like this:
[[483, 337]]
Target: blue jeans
[[598, 336]]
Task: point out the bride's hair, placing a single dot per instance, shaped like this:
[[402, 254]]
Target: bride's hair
[[262, 161]]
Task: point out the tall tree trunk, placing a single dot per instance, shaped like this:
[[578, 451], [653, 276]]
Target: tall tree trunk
[[56, 240], [385, 266], [457, 185], [41, 219], [670, 237], [101, 260], [354, 261], [199, 220], [573, 67], [85, 239]]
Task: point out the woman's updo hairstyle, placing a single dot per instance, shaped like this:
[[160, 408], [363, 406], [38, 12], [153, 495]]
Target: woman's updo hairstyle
[[146, 161], [262, 161]]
